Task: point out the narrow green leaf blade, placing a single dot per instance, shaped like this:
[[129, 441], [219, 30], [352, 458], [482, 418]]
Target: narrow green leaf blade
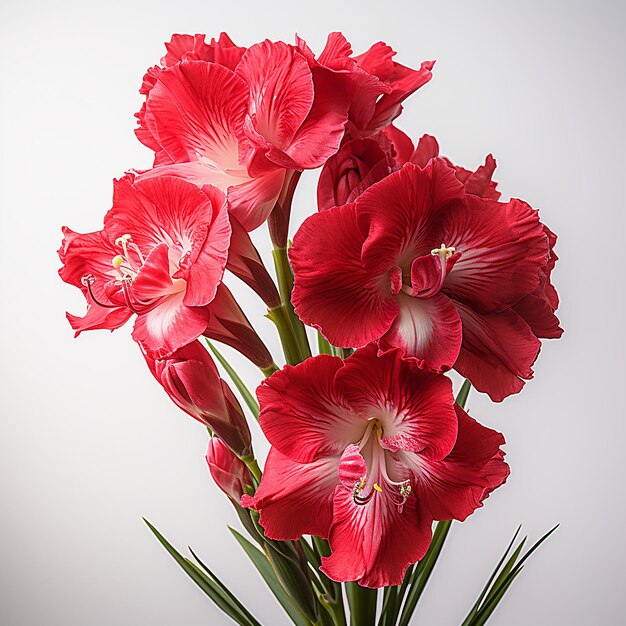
[[362, 602], [323, 346], [461, 397], [263, 566], [247, 396], [423, 570], [208, 586]]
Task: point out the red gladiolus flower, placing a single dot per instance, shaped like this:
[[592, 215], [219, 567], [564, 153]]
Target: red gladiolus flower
[[228, 471], [161, 255], [191, 380], [418, 263], [367, 452], [240, 121]]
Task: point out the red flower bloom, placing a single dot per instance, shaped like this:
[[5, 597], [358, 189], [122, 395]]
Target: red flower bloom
[[161, 255], [240, 120], [421, 264], [191, 380], [367, 452]]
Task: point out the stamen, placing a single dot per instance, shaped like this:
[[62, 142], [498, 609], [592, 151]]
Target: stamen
[[378, 487], [443, 251], [87, 280], [117, 261]]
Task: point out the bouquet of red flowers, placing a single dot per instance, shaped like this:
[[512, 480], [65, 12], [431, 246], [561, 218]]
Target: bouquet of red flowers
[[411, 267]]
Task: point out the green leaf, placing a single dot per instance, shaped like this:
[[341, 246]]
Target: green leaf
[[211, 586], [323, 346], [362, 602], [461, 397], [496, 587], [264, 567], [478, 602], [423, 570], [248, 398]]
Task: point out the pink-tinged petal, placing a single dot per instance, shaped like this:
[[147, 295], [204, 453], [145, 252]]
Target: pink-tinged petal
[[453, 488], [154, 280], [498, 351], [169, 326], [375, 543], [321, 133], [428, 329], [193, 47], [303, 416], [333, 291], [281, 90], [352, 467], [359, 164], [401, 80], [227, 323], [502, 250], [91, 253], [295, 499], [98, 317], [252, 201], [195, 111], [414, 406], [203, 266], [400, 210]]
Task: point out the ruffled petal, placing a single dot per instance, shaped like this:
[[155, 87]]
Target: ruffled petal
[[169, 326], [98, 317], [497, 352], [321, 133], [453, 488], [195, 111], [333, 291], [311, 420], [428, 329], [414, 406], [281, 90], [295, 499], [375, 543], [502, 247], [399, 211], [193, 47]]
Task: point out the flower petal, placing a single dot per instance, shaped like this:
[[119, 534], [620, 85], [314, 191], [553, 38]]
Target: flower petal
[[169, 326], [400, 210], [375, 543], [414, 406], [333, 290], [295, 499], [195, 111], [453, 488], [502, 250], [281, 90], [428, 329], [311, 420], [498, 351]]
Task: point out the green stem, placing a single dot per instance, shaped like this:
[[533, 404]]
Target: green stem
[[362, 602], [268, 371], [288, 338], [254, 468], [285, 286]]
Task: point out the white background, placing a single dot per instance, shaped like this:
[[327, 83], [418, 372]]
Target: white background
[[90, 443]]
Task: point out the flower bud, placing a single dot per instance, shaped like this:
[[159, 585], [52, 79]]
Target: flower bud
[[192, 381], [228, 324], [228, 471]]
